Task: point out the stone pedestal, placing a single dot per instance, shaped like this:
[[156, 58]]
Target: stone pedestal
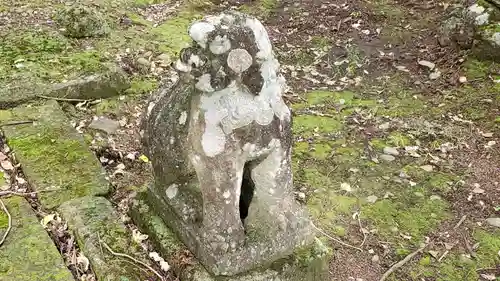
[[306, 263]]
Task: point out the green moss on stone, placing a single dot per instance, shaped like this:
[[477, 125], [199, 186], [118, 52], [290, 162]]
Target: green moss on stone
[[53, 155], [28, 252]]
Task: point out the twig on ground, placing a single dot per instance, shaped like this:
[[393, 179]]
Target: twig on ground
[[9, 192], [403, 262], [132, 259], [335, 239], [447, 251], [60, 99], [361, 229], [15, 123], [460, 222], [468, 247], [10, 222]]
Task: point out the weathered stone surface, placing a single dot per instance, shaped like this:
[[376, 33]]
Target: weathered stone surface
[[93, 218], [52, 154], [20, 89], [220, 144], [80, 20], [102, 123], [109, 83], [28, 253], [309, 263], [476, 27]]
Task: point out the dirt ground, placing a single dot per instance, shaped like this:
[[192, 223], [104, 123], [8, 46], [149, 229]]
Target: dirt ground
[[390, 155]]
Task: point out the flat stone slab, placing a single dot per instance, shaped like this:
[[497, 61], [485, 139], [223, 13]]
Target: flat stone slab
[[28, 253], [93, 219], [308, 263], [23, 88], [53, 154]]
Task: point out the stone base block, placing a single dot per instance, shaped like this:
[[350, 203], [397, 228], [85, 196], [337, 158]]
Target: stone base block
[[309, 262]]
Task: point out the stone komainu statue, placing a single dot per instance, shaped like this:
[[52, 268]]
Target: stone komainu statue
[[220, 144]]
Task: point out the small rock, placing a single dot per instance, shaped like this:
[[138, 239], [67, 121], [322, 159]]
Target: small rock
[[434, 254], [487, 135], [6, 165], [477, 189], [435, 75], [493, 222], [164, 58], [371, 199], [427, 168], [391, 151], [435, 197], [2, 156], [462, 79], [388, 158], [375, 259], [428, 64], [371, 251], [143, 63], [105, 124], [419, 194], [301, 195], [346, 187]]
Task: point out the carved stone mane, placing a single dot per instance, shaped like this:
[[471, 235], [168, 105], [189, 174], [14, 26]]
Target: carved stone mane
[[220, 144]]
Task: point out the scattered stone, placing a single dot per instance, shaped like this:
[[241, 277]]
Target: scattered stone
[[105, 124], [371, 199], [80, 20], [477, 189], [493, 222], [391, 151], [427, 168], [143, 63], [375, 259], [427, 64], [434, 254], [462, 79], [54, 155], [28, 252], [487, 135], [388, 158], [164, 58], [419, 194], [301, 196], [93, 219], [346, 187], [6, 165], [435, 197], [111, 82]]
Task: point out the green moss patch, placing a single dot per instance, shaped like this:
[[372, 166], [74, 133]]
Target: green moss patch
[[53, 155], [28, 252], [93, 219]]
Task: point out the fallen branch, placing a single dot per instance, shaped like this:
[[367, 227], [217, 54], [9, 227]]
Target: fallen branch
[[402, 262], [361, 229], [15, 123], [10, 222], [8, 192], [132, 259], [335, 239], [460, 222], [61, 99]]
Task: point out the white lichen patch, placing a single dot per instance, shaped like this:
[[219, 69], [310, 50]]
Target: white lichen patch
[[172, 191], [226, 194], [183, 118], [239, 60], [204, 83], [199, 32]]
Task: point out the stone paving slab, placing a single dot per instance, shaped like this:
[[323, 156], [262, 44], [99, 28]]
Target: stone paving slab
[[93, 218], [24, 87], [53, 155], [29, 253]]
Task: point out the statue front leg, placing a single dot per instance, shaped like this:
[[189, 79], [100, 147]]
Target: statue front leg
[[220, 180]]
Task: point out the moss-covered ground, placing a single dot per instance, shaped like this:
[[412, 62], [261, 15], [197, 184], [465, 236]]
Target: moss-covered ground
[[384, 157]]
